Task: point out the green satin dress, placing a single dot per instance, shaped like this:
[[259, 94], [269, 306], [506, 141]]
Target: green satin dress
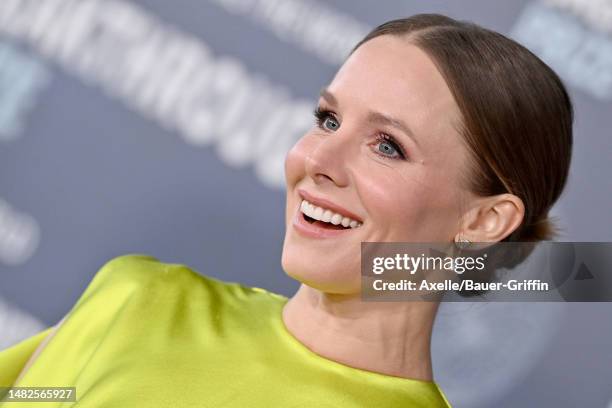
[[151, 334]]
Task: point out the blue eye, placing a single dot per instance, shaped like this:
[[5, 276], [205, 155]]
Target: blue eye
[[325, 119], [330, 123], [389, 148]]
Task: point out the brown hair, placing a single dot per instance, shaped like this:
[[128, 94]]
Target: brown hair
[[516, 114]]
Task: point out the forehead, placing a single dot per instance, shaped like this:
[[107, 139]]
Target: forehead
[[390, 75]]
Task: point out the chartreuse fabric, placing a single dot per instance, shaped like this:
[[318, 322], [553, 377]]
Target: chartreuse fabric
[[152, 334]]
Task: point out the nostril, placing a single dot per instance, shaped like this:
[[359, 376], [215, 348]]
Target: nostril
[[322, 176]]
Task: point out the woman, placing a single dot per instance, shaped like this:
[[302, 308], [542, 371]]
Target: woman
[[433, 130]]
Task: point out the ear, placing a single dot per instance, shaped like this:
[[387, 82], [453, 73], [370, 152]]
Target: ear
[[493, 218]]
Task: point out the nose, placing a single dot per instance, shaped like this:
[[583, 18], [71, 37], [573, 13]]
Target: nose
[[327, 160]]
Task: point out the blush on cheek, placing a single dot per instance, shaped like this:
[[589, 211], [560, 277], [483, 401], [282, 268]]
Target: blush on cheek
[[404, 207]]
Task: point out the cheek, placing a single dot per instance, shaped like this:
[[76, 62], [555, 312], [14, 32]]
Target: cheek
[[412, 205]]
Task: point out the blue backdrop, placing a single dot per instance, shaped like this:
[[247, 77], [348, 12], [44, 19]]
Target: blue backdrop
[[161, 127]]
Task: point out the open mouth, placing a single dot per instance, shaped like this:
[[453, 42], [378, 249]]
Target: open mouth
[[323, 224], [325, 218]]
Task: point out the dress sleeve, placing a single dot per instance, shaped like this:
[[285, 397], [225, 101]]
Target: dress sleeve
[[85, 324]]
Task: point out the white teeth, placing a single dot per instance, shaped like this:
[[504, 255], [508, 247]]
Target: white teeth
[[309, 211], [325, 215], [318, 213]]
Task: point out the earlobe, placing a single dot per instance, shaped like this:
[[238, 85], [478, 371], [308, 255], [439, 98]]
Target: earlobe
[[495, 219]]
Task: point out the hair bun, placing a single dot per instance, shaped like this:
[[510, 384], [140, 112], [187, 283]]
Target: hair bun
[[541, 230]]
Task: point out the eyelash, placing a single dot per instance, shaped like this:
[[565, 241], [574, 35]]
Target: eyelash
[[322, 114]]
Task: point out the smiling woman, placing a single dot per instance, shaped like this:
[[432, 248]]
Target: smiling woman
[[433, 130]]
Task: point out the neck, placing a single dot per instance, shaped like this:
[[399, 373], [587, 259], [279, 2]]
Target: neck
[[391, 338]]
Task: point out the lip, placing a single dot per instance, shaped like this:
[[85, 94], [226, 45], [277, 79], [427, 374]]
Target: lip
[[322, 202], [313, 231]]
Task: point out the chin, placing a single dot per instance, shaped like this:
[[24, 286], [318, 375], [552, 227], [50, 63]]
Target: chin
[[319, 273]]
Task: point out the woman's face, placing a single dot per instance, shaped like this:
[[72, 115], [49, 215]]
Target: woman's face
[[385, 154]]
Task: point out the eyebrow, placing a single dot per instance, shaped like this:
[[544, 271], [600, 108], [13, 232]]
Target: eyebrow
[[375, 117]]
